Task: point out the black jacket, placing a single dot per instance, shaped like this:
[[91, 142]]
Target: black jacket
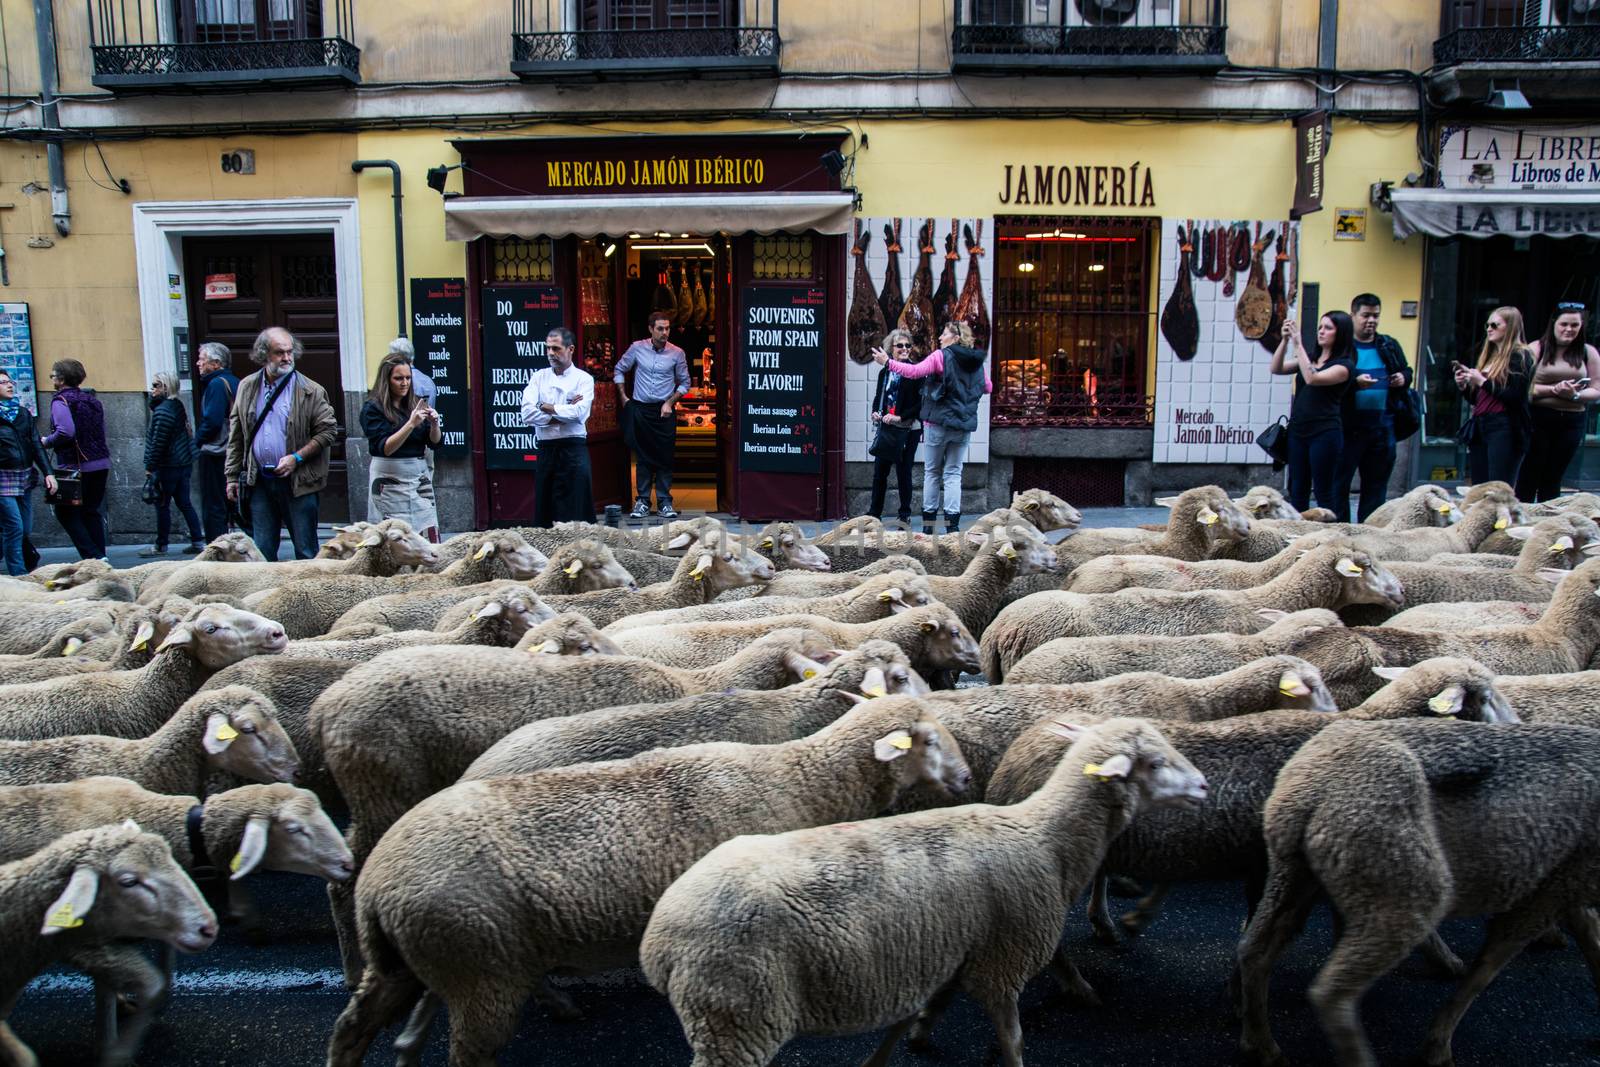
[[1513, 395], [908, 403], [20, 447], [167, 442], [1394, 362], [952, 400]]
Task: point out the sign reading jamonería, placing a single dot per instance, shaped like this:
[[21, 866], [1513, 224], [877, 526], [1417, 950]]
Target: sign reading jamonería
[[780, 379]]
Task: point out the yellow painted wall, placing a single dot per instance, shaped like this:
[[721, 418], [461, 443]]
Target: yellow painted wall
[[1395, 35]]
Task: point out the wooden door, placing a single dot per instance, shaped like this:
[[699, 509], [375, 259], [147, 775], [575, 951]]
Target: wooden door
[[287, 281]]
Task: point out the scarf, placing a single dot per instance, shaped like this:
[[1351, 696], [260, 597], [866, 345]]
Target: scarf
[[9, 409]]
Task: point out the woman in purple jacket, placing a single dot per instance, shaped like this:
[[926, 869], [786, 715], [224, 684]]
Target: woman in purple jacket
[[78, 436]]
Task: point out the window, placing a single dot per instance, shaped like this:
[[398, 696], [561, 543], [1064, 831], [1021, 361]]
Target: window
[[218, 21], [1072, 321], [658, 14]]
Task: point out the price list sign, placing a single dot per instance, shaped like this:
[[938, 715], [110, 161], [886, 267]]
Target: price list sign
[[439, 334], [780, 379], [515, 325]]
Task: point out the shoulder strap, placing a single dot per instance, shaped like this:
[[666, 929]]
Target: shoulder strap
[[272, 398]]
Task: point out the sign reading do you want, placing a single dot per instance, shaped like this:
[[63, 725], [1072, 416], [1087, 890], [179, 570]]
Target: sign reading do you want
[[780, 379], [515, 325]]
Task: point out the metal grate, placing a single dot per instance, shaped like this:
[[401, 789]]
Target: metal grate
[[783, 258], [1491, 30], [310, 277], [550, 37], [1083, 483], [213, 42], [1178, 31], [243, 269], [518, 259]]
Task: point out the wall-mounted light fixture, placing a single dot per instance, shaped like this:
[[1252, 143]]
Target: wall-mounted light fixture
[[437, 175], [1511, 99]]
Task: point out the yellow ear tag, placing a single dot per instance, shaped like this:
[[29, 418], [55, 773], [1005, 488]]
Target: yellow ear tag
[[884, 596], [808, 673], [138, 646], [1289, 683], [226, 732], [63, 919], [901, 742], [572, 569], [1030, 505], [1440, 705], [878, 691], [1094, 770], [51, 584], [1008, 552], [766, 542], [1207, 517], [235, 863], [484, 550], [1500, 524], [1349, 568]]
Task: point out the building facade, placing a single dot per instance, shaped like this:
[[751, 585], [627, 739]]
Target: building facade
[[1060, 173]]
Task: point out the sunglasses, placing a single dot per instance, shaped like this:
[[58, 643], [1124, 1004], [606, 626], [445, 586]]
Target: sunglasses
[[1570, 305], [900, 344]]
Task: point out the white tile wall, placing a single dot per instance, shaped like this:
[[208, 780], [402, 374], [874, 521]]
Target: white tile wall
[[1229, 376], [862, 382]]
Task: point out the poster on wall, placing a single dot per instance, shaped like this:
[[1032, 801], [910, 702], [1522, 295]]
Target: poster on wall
[[1226, 286], [781, 372], [16, 352], [913, 273], [439, 335], [515, 324]]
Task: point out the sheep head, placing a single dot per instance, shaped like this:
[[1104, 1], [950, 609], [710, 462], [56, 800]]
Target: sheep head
[[1362, 578], [1045, 510], [242, 735], [1131, 755], [783, 540], [876, 669], [124, 883], [901, 590], [1265, 502], [233, 547], [947, 645], [568, 634], [1206, 509], [344, 542], [217, 636], [1027, 556], [681, 535], [510, 613], [1445, 686], [519, 559], [1300, 685], [279, 828], [399, 545], [912, 743], [726, 568], [588, 565]]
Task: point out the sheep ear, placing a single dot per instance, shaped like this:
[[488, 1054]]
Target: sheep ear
[[549, 644], [1069, 730], [1502, 519], [893, 595], [1005, 550], [702, 566], [1348, 567], [1520, 533], [67, 910], [1553, 575], [181, 634], [1206, 517], [1592, 549], [766, 542], [873, 683], [252, 848], [489, 610], [1448, 701], [372, 539], [1165, 501], [854, 698], [484, 551], [929, 627], [142, 635], [682, 540], [1390, 674], [1029, 505], [219, 734], [800, 666], [891, 746], [977, 535], [1118, 766], [571, 570], [1272, 614], [1564, 543], [1292, 685]]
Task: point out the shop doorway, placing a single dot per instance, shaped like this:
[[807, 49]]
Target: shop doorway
[[289, 281]]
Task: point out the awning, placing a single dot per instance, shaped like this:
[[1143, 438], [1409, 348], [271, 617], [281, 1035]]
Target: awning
[[1496, 212], [467, 217]]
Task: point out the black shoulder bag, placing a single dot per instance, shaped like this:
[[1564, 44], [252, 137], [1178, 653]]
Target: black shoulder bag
[[235, 516]]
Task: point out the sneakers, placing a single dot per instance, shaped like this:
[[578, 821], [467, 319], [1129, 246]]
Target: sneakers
[[153, 551], [667, 511], [195, 548], [641, 510]]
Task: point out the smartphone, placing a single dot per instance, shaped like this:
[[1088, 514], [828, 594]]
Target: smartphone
[[1581, 383]]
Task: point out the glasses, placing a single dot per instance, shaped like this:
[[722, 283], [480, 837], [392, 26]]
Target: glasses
[[900, 344], [1495, 325]]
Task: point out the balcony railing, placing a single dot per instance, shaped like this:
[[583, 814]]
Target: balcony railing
[[146, 44], [1501, 31], [637, 38], [1077, 34]]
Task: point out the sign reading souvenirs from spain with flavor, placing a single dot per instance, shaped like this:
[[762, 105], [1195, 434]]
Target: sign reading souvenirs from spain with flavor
[[1215, 389], [439, 335], [780, 379], [515, 325]]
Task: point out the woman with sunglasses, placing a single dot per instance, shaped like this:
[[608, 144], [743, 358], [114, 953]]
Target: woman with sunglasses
[[895, 405], [22, 458], [1566, 379], [1496, 435]]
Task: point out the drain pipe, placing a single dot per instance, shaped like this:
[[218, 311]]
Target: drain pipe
[[399, 237], [44, 30]]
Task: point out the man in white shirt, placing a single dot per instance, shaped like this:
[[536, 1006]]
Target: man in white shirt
[[556, 404]]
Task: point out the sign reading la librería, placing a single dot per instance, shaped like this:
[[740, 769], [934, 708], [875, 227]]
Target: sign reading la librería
[[1523, 157]]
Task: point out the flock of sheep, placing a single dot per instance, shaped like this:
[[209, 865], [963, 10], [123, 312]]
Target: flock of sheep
[[743, 763]]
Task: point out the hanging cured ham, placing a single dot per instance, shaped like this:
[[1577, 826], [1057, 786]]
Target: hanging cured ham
[[711, 297], [916, 318], [864, 327], [1277, 291], [1253, 313], [685, 297], [1238, 256], [1180, 319], [699, 319], [970, 307], [944, 297], [892, 297]]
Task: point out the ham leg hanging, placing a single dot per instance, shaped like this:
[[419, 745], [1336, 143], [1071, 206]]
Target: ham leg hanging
[[1253, 313], [917, 316], [1180, 319], [864, 328], [1276, 289], [892, 298], [970, 308], [944, 297]]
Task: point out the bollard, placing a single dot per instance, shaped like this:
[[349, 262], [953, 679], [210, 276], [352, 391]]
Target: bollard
[[613, 515]]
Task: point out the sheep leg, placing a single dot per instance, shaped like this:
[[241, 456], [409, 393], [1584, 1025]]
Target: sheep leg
[[378, 1001], [483, 1020], [409, 1045], [1584, 926], [1100, 912], [1145, 912], [123, 978], [1285, 905], [1442, 956], [13, 1052], [1001, 1006], [1074, 986], [1373, 944], [921, 1039], [342, 901], [880, 1055]]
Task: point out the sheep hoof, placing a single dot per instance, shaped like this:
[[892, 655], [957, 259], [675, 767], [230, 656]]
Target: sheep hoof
[[1133, 923], [1105, 933], [1123, 886], [1267, 1055], [1551, 938]]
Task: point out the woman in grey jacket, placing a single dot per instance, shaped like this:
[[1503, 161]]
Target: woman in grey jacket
[[169, 459]]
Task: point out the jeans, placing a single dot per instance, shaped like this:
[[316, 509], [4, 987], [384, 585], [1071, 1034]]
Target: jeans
[[944, 451], [16, 518], [1496, 452], [213, 495], [272, 504], [174, 485], [1314, 462], [902, 473], [1556, 438], [83, 522], [1368, 449]]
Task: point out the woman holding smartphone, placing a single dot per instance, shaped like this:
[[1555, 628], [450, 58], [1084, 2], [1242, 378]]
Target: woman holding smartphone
[[1566, 379], [1316, 427], [400, 428], [1496, 435]]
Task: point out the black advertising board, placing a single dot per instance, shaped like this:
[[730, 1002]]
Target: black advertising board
[[780, 379], [515, 324], [439, 334]]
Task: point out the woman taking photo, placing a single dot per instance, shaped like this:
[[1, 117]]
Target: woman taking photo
[[21, 458], [949, 414], [400, 429], [78, 436], [1316, 428], [169, 459], [1566, 379], [895, 432], [1496, 435]]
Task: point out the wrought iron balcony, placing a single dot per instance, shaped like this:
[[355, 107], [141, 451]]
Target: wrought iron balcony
[[644, 38], [1001, 35], [234, 43], [1479, 31]]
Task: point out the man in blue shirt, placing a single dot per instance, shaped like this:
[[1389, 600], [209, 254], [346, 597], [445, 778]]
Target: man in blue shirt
[[660, 377], [1382, 376]]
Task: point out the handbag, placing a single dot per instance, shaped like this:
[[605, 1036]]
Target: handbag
[[69, 490], [1467, 436], [151, 494], [889, 442], [1274, 440], [1407, 414]]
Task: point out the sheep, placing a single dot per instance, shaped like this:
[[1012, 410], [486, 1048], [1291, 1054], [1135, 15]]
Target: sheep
[[753, 717], [1554, 698], [1424, 501], [584, 567], [104, 884], [1586, 504], [92, 638], [1330, 576], [1086, 659], [1108, 574], [648, 568], [67, 575], [595, 886], [292, 684], [788, 549], [30, 627], [932, 636], [1402, 825], [803, 584], [422, 611], [405, 725], [947, 554], [700, 576], [679, 535], [1203, 523], [233, 547], [132, 643], [107, 588], [747, 944], [384, 549], [1471, 615], [307, 607], [1482, 519], [501, 618], [858, 530], [873, 599], [136, 703], [346, 539], [1564, 638], [1265, 502], [1563, 541]]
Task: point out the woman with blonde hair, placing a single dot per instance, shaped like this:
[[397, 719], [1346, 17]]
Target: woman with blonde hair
[[169, 456], [1497, 433], [896, 405], [400, 428], [960, 377]]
